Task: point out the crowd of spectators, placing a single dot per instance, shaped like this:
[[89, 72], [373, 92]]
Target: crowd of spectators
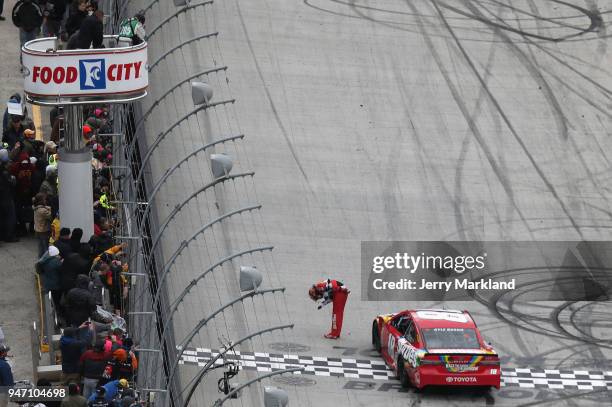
[[84, 275]]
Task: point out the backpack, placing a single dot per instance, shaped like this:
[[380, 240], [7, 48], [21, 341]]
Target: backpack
[[127, 30]]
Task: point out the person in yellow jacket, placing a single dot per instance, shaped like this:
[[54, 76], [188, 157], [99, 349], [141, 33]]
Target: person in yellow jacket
[[105, 202], [113, 251], [55, 230]]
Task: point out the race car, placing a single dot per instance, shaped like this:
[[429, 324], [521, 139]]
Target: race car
[[433, 347]]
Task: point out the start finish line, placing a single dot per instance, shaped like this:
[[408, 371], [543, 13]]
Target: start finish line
[[64, 77]]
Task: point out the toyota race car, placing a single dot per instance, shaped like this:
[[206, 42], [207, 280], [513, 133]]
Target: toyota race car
[[435, 348]]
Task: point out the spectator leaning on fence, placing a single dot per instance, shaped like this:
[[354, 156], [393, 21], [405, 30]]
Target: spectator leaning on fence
[[92, 365]]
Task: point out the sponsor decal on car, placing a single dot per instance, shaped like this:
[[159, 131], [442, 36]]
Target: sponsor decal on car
[[409, 353], [470, 366], [460, 379], [440, 315]]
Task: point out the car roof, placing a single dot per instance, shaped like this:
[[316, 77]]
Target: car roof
[[442, 318]]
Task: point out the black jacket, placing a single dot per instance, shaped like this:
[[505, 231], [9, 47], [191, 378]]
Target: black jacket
[[7, 184], [80, 303], [90, 34], [73, 266], [75, 20], [64, 247], [27, 15]]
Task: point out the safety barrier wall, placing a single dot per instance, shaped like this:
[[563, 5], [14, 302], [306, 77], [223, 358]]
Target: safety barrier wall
[[190, 228]]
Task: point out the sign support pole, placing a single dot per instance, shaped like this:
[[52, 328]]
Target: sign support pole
[[74, 171]]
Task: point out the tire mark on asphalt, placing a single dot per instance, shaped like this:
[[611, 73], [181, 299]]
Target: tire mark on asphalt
[[595, 19], [464, 149], [535, 15], [509, 124], [533, 67], [471, 124], [425, 164], [277, 118], [396, 25], [564, 398]]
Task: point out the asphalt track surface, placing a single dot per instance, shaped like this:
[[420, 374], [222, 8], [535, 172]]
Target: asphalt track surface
[[386, 120]]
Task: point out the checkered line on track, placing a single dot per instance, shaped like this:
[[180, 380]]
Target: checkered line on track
[[376, 369]]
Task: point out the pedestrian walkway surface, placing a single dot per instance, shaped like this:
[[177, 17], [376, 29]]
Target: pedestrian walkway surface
[[18, 303]]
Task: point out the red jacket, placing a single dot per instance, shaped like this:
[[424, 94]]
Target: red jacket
[[93, 363]]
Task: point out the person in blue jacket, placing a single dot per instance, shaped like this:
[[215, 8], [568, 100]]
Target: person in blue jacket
[[73, 344], [112, 388]]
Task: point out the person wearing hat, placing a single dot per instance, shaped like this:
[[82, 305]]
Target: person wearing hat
[[50, 265], [29, 141], [50, 147], [13, 107], [123, 366], [13, 132], [87, 132], [6, 374]]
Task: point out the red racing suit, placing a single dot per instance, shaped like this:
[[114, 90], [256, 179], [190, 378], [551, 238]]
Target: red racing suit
[[335, 292]]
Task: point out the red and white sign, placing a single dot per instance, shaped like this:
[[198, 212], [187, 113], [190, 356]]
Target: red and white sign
[[106, 72]]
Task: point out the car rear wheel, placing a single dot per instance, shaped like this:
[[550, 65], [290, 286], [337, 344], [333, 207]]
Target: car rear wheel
[[402, 375], [376, 337]]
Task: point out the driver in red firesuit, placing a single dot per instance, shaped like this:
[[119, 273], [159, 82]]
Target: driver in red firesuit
[[335, 292]]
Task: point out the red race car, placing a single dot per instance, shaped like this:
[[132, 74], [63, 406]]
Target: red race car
[[436, 348]]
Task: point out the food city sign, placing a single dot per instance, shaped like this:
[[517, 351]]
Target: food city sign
[[112, 73]]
